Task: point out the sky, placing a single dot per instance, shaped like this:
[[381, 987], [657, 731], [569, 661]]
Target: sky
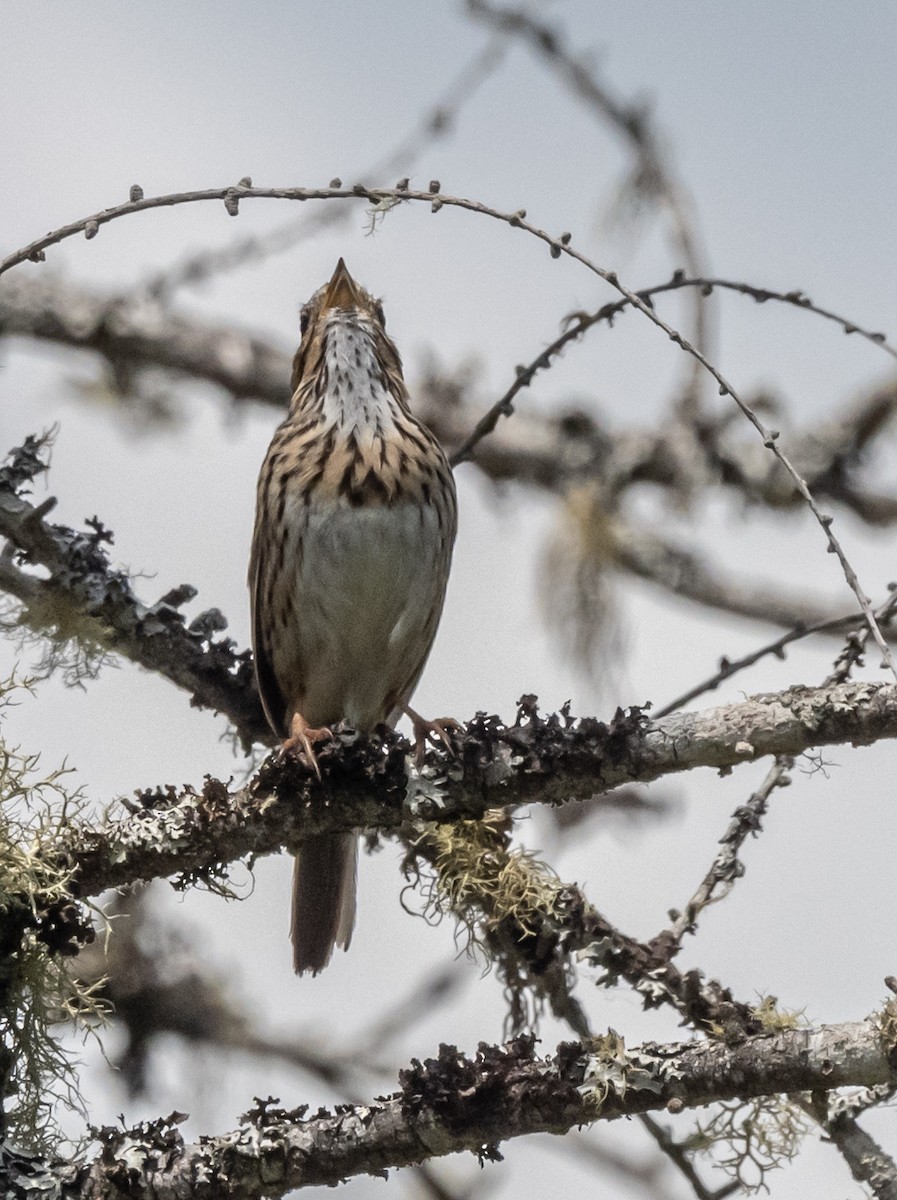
[[779, 120]]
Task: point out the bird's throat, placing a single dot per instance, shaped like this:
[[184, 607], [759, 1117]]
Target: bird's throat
[[356, 389]]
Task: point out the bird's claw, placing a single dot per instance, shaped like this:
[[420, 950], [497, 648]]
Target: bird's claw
[[425, 730], [301, 742]]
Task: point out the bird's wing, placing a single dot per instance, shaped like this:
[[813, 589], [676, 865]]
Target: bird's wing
[[272, 697]]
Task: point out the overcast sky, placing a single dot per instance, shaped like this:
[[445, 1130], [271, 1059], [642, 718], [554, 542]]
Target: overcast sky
[[780, 121]]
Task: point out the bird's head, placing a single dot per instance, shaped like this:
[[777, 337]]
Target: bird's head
[[341, 300]]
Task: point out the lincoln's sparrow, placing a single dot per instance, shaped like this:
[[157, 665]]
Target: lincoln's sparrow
[[354, 527]]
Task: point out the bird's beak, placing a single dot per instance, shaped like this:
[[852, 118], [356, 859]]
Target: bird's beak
[[342, 290]]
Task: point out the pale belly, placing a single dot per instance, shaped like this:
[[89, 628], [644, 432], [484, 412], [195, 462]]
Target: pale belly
[[369, 591]]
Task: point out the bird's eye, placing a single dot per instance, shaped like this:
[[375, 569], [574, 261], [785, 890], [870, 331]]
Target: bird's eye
[[303, 320], [378, 309]]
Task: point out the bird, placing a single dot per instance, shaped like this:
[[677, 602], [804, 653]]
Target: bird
[[356, 516]]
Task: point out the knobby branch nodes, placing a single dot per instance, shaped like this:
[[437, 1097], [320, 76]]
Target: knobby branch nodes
[[850, 655]]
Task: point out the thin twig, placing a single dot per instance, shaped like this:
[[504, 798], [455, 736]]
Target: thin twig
[[653, 177], [727, 867], [678, 1155], [729, 667], [579, 323], [795, 298], [436, 121], [854, 648]]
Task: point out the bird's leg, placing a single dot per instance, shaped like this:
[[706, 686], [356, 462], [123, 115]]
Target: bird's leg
[[302, 739], [424, 729]]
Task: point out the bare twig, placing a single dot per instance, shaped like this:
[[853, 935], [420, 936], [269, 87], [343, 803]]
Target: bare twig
[[727, 867], [853, 649], [653, 178], [855, 646], [578, 324], [678, 1155], [435, 123], [795, 298]]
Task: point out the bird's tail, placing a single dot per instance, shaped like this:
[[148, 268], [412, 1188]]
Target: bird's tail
[[323, 912]]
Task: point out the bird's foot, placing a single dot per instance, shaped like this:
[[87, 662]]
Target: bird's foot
[[301, 741], [425, 730]]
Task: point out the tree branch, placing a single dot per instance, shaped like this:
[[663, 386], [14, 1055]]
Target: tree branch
[[545, 760], [137, 331], [454, 1103], [868, 1162], [87, 599]]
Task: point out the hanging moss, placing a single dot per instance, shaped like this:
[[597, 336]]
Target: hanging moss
[[41, 927]]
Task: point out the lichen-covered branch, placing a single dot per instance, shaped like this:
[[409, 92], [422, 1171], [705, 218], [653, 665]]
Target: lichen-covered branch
[[454, 1103], [510, 904], [548, 760], [86, 599], [89, 600], [868, 1162]]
